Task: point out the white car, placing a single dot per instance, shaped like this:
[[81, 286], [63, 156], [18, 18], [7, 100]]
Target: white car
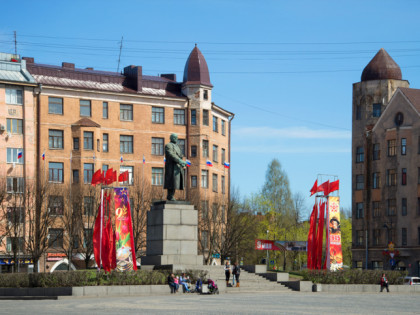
[[411, 280]]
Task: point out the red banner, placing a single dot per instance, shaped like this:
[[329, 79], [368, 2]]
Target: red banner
[[268, 245], [335, 252], [126, 256]]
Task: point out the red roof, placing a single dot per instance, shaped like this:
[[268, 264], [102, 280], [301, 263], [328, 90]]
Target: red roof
[[382, 67], [196, 70]]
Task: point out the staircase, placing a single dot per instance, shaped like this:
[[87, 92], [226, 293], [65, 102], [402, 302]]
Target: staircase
[[249, 282]]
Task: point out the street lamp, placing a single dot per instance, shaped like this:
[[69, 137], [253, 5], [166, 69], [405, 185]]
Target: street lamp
[[267, 251]]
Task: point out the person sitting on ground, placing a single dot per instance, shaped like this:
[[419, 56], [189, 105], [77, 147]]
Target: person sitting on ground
[[184, 282], [171, 281]]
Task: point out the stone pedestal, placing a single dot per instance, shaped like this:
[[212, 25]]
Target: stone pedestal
[[172, 234]]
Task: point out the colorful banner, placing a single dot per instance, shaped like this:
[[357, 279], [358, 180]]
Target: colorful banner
[[126, 256], [280, 245], [334, 234]]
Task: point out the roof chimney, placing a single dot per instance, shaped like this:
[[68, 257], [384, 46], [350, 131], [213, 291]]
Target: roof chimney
[[169, 76], [133, 77], [68, 65], [29, 59]]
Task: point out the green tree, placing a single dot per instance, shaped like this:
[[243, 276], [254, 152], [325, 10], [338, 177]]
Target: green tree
[[346, 228]]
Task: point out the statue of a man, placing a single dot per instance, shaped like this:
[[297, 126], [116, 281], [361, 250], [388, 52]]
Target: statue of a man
[[174, 173]]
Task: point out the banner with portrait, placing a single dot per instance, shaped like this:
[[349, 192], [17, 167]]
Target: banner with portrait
[[334, 234], [126, 256]]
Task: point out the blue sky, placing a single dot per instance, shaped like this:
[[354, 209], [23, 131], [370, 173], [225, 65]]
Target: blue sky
[[285, 68]]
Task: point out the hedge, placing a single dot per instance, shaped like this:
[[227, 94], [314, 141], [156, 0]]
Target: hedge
[[353, 276]]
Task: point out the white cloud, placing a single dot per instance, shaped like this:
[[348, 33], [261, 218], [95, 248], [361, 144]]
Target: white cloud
[[290, 133]]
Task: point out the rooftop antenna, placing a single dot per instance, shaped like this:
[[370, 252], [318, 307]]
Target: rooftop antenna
[[15, 42], [119, 57]]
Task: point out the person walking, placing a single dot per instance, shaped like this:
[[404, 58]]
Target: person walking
[[227, 272], [384, 283], [236, 273]]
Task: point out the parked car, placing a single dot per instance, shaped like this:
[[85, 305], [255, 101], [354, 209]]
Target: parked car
[[411, 280]]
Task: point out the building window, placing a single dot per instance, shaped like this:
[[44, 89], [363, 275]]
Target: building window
[[105, 167], [359, 210], [376, 110], [206, 94], [404, 236], [105, 142], [358, 112], [87, 172], [215, 183], [377, 265], [158, 115], [193, 117], [157, 176], [76, 144], [87, 237], [193, 181], [179, 117], [376, 151], [418, 206], [204, 240], [85, 108], [391, 177], [181, 144], [205, 148], [55, 238], [157, 146], [204, 209], [360, 154], [15, 215], [130, 170], [55, 105], [56, 205], [359, 237], [392, 147], [204, 179], [75, 176], [87, 140], [126, 144], [403, 146], [215, 153], [14, 126], [376, 211], [223, 127], [88, 205], [376, 237], [15, 185], [360, 183], [403, 176], [223, 185], [15, 244], [214, 212], [55, 139], [12, 155], [223, 156], [215, 124], [194, 151], [376, 180], [391, 207], [126, 112], [56, 172], [223, 213], [14, 96], [205, 117], [105, 110], [403, 206]]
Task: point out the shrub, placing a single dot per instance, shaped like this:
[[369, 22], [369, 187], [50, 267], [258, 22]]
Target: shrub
[[352, 276], [14, 280]]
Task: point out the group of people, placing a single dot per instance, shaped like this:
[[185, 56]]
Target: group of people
[[235, 269], [175, 282]]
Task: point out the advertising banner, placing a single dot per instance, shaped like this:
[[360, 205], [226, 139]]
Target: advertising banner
[[126, 256], [281, 245], [334, 234]]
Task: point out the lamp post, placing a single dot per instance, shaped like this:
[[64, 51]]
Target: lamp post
[[267, 251]]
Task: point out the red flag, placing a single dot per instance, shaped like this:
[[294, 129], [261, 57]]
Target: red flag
[[109, 177], [320, 236], [334, 186], [311, 237], [97, 177], [114, 176], [325, 187], [97, 237], [314, 188], [314, 242], [123, 177]]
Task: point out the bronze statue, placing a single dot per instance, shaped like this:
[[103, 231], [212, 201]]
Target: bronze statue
[[174, 173]]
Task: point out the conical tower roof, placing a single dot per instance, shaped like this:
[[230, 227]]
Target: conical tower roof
[[382, 67], [196, 70]]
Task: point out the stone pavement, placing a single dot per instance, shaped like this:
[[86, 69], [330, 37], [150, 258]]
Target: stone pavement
[[242, 303]]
